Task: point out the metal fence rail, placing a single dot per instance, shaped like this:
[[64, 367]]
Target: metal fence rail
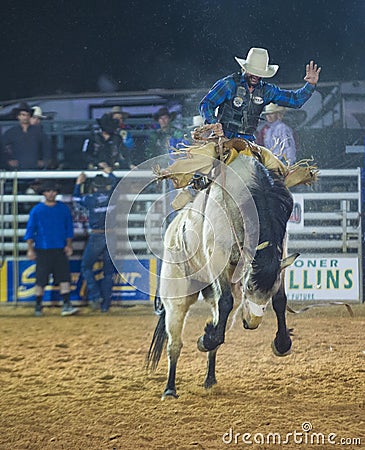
[[332, 214], [11, 236], [332, 220]]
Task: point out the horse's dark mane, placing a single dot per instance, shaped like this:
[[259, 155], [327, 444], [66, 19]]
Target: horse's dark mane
[[274, 205]]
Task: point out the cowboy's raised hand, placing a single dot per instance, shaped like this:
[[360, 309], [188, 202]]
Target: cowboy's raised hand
[[312, 73]]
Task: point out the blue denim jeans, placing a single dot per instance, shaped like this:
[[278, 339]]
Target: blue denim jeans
[[96, 249]]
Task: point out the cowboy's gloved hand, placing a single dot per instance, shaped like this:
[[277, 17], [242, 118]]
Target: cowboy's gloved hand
[[312, 73], [217, 129]]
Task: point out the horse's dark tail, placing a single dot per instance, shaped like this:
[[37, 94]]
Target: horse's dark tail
[[158, 342]]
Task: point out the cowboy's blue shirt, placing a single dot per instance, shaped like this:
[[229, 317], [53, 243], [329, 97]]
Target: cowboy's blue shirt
[[225, 89]]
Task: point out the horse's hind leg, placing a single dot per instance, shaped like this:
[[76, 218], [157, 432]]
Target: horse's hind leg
[[282, 343], [176, 310]]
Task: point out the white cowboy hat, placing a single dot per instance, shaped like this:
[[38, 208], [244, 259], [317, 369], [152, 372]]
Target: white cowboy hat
[[37, 112], [257, 63], [198, 121], [271, 108]]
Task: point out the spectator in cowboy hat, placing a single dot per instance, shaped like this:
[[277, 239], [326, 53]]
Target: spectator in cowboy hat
[[126, 136], [166, 137], [25, 146], [118, 113], [277, 135], [37, 115], [23, 107], [242, 96], [105, 146], [163, 113], [198, 121]]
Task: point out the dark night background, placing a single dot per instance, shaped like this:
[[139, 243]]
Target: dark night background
[[66, 46]]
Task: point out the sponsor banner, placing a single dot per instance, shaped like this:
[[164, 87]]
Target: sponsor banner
[[296, 220], [135, 282], [323, 278]]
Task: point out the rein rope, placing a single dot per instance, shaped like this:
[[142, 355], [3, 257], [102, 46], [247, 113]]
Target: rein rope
[[318, 305]]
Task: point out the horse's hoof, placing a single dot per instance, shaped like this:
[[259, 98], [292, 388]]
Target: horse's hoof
[[200, 344], [276, 351], [169, 394], [210, 383]]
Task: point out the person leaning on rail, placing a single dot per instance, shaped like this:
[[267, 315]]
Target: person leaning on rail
[[96, 204]]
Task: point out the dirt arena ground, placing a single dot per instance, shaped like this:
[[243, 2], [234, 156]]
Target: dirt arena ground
[[79, 383]]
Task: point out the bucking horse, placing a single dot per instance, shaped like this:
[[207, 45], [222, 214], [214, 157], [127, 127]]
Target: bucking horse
[[229, 246]]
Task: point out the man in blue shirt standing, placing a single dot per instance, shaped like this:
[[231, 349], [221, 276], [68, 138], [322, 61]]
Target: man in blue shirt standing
[[49, 237], [96, 203], [242, 96]]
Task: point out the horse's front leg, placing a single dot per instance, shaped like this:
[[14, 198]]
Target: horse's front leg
[[281, 345], [210, 379], [214, 332]]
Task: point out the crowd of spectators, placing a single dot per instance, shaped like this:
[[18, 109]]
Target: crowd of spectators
[[27, 146]]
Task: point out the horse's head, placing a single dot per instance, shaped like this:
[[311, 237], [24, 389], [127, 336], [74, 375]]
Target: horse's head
[[262, 282]]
